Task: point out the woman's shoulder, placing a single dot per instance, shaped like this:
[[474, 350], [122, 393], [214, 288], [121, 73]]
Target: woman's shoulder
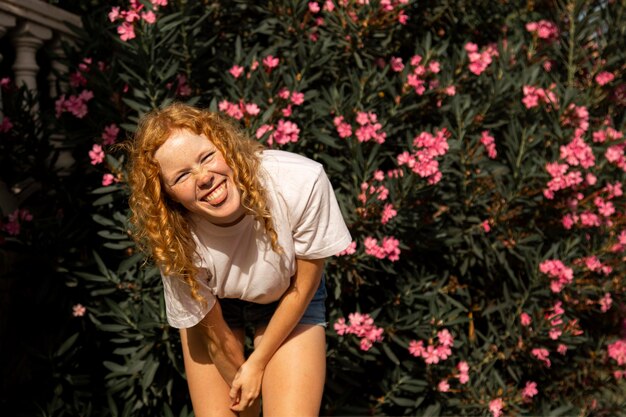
[[285, 162]]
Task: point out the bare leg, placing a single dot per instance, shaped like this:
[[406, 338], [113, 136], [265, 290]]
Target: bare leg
[[208, 390], [293, 382]]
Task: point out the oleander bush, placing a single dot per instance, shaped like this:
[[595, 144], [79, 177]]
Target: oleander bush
[[477, 152]]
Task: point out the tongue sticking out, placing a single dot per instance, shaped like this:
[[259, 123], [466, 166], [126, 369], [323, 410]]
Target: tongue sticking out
[[218, 195]]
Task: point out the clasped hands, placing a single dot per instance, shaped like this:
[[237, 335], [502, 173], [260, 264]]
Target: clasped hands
[[246, 386]]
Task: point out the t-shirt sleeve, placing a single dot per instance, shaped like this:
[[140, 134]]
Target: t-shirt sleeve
[[184, 311], [320, 231]]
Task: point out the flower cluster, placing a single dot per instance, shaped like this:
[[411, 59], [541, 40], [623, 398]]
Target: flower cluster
[[75, 104], [488, 142], [369, 128], [284, 132], [389, 248], [361, 325], [135, 13], [420, 73], [480, 60], [109, 135], [543, 29], [496, 406], [13, 226], [530, 390], [463, 376], [533, 96], [238, 110], [561, 275], [77, 78], [96, 154], [617, 352], [433, 353], [604, 77], [423, 160]]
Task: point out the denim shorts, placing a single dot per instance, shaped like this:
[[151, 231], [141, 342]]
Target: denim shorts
[[237, 313]]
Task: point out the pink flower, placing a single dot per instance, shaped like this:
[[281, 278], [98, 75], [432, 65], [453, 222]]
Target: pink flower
[[416, 348], [314, 7], [157, 3], [236, 71], [430, 355], [443, 386], [525, 319], [361, 325], [287, 111], [445, 338], [285, 132], [270, 62], [562, 349], [463, 368], [479, 61], [252, 109], [402, 17], [297, 98], [261, 131], [450, 90], [108, 179], [6, 125], [388, 213], [617, 351], [96, 154], [13, 227], [605, 302], [489, 142], [149, 17], [109, 136], [340, 326], [542, 354], [78, 310], [486, 226], [530, 390], [126, 31], [604, 77], [544, 29], [396, 64], [114, 14], [495, 406]]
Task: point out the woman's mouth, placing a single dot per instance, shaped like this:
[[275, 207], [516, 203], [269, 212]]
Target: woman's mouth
[[217, 195]]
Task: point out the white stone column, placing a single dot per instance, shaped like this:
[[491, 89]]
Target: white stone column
[[6, 22], [57, 55], [27, 39]]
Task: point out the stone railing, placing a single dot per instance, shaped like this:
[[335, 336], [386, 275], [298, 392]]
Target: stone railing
[[28, 26], [31, 25]]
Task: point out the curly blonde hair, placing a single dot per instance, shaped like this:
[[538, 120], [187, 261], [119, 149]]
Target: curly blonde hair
[[160, 225]]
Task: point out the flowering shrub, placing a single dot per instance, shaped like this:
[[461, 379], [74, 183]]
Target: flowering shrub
[[478, 158]]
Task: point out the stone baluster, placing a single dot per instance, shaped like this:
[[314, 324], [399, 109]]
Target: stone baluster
[[27, 39]]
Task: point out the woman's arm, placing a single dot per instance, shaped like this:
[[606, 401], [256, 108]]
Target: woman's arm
[[246, 386], [212, 341]]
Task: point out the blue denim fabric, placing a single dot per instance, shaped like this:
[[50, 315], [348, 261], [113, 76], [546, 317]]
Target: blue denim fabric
[[239, 312]]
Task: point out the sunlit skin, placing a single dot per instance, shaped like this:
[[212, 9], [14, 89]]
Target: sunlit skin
[[196, 175]]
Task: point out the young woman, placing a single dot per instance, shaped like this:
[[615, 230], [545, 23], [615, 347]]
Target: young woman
[[240, 235]]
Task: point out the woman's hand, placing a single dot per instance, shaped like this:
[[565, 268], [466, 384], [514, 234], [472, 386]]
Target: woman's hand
[[246, 386]]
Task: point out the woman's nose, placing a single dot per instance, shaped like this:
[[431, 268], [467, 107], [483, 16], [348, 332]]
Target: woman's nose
[[202, 175]]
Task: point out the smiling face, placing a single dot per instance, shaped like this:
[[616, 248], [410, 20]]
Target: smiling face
[[196, 175]]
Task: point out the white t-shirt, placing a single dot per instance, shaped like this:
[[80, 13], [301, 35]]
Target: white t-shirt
[[238, 261]]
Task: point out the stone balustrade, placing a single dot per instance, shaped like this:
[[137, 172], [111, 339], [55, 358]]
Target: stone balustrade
[[28, 26], [31, 25]]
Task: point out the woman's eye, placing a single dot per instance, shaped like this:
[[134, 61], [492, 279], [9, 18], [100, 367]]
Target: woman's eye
[[208, 156], [181, 177]]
